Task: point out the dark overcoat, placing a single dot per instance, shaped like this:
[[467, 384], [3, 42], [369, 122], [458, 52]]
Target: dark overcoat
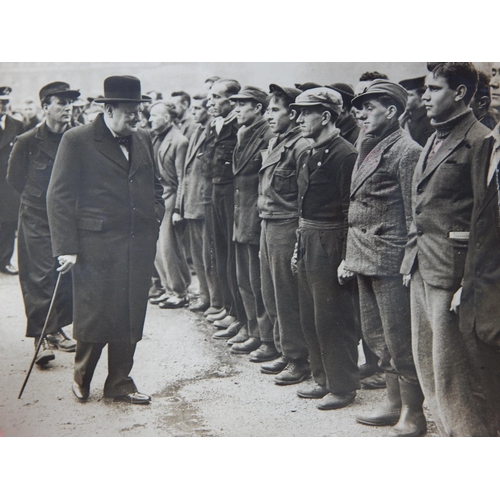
[[380, 206], [9, 198], [442, 206], [480, 302], [246, 186], [106, 210]]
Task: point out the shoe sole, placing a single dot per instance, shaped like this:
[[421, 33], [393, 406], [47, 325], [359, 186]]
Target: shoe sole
[[304, 396], [45, 359], [292, 382], [385, 423], [224, 337], [419, 433], [271, 372]]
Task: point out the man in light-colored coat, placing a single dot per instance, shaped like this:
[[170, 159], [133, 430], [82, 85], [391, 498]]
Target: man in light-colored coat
[[379, 220]]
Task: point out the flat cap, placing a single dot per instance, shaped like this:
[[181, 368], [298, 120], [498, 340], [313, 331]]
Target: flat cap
[[320, 96], [307, 86], [344, 89], [413, 83], [290, 92], [58, 88], [5, 93], [382, 87], [251, 93]]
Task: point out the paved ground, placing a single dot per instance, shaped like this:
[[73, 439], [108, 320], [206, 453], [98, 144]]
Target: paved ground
[[198, 388]]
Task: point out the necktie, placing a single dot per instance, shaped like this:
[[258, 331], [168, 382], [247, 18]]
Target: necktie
[[123, 141]]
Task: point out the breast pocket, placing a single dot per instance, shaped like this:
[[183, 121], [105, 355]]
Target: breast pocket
[[284, 181]]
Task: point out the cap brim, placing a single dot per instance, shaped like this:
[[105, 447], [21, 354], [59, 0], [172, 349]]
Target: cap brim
[[307, 104], [70, 94], [358, 100], [242, 97], [104, 100]]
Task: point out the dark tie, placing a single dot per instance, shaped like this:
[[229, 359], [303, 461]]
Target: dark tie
[[124, 141]]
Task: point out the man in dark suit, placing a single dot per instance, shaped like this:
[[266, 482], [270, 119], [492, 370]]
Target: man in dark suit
[[253, 137], [182, 102], [446, 360], [379, 220], [9, 198], [415, 119], [346, 123], [480, 104], [104, 205], [479, 298], [30, 168], [327, 309]]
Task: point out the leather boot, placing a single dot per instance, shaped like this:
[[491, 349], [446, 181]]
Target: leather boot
[[389, 411], [412, 421]]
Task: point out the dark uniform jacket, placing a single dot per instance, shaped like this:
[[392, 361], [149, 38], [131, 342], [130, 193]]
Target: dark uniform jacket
[[106, 210], [278, 189], [349, 129], [480, 303], [218, 151], [9, 199], [247, 161], [30, 166], [442, 206], [193, 194], [380, 208]]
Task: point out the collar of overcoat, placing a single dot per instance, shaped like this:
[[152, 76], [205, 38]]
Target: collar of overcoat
[[372, 160], [256, 142], [456, 137], [108, 146], [277, 152]]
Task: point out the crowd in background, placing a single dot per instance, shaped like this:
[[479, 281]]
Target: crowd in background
[[315, 216]]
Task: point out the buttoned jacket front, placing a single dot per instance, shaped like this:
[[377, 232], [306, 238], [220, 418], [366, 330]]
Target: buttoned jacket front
[[380, 206], [442, 205]]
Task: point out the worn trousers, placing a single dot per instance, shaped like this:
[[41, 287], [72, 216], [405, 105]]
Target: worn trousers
[[225, 253], [7, 241], [448, 363], [326, 310], [120, 363], [249, 282], [386, 323], [38, 275], [170, 260], [194, 231], [280, 289]]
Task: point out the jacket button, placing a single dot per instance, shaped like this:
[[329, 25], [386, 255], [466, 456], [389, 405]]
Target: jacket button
[[420, 190], [350, 224], [319, 164], [418, 212], [420, 233], [327, 151], [132, 234], [130, 180], [478, 245], [363, 230]]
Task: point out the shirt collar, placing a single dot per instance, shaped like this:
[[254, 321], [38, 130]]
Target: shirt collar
[[495, 133]]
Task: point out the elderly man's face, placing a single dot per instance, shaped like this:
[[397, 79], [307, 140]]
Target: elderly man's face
[[218, 103], [59, 110], [310, 121], [124, 118], [495, 86], [159, 118]]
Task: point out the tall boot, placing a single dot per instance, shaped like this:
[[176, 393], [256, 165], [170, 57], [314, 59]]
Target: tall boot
[[412, 422], [389, 411]]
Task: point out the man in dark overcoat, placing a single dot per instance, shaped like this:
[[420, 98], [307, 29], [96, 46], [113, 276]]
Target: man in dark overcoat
[[253, 137], [327, 310], [446, 360], [104, 206], [9, 198], [30, 168], [379, 220]]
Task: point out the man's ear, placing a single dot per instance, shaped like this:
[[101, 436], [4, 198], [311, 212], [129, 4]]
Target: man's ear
[[461, 91], [391, 112], [484, 102], [326, 117], [293, 115]]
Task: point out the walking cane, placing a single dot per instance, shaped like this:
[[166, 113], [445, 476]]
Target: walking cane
[[42, 336]]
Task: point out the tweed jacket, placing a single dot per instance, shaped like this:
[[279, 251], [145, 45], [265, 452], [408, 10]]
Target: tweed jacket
[[170, 160], [194, 191], [442, 206], [106, 209], [30, 166], [479, 309], [247, 162], [380, 206], [9, 198]]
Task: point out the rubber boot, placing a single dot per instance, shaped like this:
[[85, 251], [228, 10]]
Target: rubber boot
[[389, 411], [412, 421]]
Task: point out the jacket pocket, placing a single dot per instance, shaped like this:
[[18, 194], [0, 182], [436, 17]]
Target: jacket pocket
[[90, 224], [284, 181]]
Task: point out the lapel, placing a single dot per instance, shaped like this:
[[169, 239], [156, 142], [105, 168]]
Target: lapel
[[137, 153], [372, 161], [275, 155], [165, 145], [255, 143], [106, 143], [455, 138], [484, 193], [9, 133], [194, 145]]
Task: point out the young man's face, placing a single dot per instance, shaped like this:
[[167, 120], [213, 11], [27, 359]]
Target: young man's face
[[440, 100], [59, 109], [218, 103], [310, 121], [199, 112], [373, 116], [246, 112], [414, 100], [278, 116], [495, 86]]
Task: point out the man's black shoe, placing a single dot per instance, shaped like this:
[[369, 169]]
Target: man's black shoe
[[44, 354], [174, 303], [275, 367], [135, 398], [246, 347], [266, 352]]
